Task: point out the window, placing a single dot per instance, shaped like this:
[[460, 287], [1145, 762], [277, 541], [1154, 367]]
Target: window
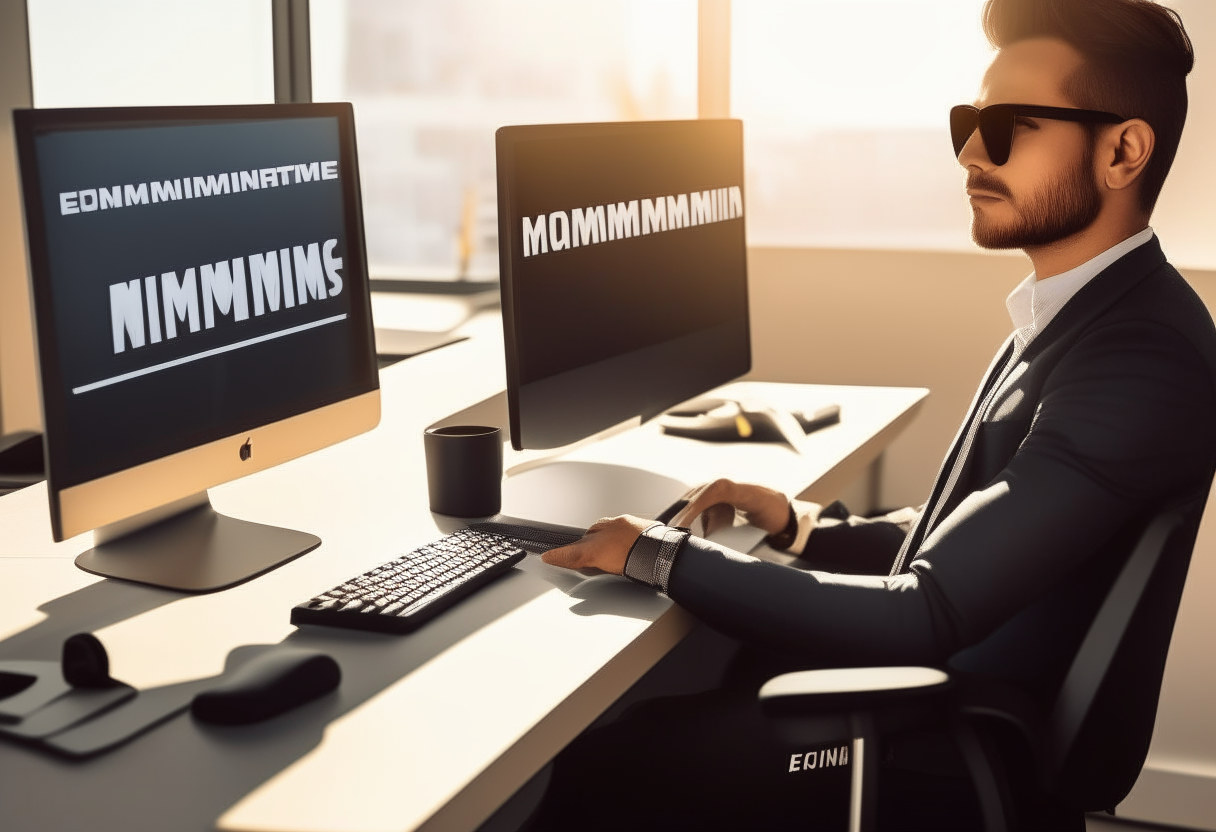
[[431, 82], [131, 53], [844, 105]]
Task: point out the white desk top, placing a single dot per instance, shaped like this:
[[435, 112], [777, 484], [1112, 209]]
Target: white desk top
[[428, 731]]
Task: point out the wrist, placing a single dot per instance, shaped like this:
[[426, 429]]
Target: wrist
[[784, 539]]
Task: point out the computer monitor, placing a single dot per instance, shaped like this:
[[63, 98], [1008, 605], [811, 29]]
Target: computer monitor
[[624, 271], [200, 296]]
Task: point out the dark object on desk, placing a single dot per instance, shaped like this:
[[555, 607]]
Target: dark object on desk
[[85, 662], [821, 418], [26, 686], [403, 594], [21, 461], [532, 536], [464, 470], [41, 698], [116, 726], [29, 686], [96, 714], [727, 420], [268, 685]]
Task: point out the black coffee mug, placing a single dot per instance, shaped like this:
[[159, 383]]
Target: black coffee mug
[[464, 470]]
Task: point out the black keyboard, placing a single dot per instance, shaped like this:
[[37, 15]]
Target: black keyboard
[[403, 594]]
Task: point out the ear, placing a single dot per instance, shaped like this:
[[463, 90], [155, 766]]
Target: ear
[[1128, 147]]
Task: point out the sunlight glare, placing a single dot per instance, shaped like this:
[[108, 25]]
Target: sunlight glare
[[828, 64]]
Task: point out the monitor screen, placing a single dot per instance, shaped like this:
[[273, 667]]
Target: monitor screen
[[624, 271], [198, 275]]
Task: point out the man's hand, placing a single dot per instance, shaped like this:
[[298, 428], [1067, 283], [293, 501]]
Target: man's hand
[[716, 502], [605, 546]]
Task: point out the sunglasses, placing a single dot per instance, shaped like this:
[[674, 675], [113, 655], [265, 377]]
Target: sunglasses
[[996, 123]]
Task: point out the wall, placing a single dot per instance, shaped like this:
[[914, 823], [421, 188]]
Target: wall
[[1185, 213], [935, 320], [18, 383], [915, 319]]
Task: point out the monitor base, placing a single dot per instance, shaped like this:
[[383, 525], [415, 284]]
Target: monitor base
[[198, 550]]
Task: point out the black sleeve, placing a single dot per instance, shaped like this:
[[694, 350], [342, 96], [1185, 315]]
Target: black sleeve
[[1124, 421], [857, 545]]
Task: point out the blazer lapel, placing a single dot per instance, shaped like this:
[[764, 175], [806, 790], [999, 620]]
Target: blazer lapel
[[1086, 305], [913, 539]]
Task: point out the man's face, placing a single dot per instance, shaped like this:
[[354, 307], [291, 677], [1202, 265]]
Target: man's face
[[1046, 191]]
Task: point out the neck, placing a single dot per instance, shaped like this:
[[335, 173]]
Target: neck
[[1070, 252]]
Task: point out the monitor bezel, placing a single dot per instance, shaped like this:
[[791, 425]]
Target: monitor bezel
[[506, 138], [143, 487]]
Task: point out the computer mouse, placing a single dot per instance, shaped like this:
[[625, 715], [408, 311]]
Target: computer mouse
[[268, 685]]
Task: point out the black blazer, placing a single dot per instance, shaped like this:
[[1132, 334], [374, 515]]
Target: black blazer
[[1108, 415]]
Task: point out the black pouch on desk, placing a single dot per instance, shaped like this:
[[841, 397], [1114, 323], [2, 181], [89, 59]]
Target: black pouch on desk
[[131, 713], [49, 697]]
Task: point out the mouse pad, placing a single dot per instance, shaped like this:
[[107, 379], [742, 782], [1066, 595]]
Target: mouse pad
[[82, 723]]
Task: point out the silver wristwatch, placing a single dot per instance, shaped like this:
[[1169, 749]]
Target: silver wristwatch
[[649, 561]]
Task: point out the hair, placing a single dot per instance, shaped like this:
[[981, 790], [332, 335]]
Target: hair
[[1136, 58]]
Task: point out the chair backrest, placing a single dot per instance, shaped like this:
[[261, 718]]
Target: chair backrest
[[1102, 721]]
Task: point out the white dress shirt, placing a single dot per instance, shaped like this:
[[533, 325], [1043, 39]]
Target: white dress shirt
[[1035, 302], [1032, 305]]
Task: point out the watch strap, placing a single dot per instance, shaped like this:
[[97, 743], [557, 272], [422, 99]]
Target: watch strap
[[785, 538], [653, 553]]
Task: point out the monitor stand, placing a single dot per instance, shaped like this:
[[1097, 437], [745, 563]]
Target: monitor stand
[[190, 547]]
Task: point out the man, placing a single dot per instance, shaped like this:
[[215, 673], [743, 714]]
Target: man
[[1098, 410]]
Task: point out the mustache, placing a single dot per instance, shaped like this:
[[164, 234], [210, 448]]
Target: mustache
[[981, 181]]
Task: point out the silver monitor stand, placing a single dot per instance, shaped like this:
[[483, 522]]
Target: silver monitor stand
[[190, 547]]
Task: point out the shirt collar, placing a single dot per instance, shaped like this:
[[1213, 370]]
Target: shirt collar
[[1033, 303]]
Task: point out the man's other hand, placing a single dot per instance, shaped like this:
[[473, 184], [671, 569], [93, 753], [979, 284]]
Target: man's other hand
[[605, 546], [716, 502]]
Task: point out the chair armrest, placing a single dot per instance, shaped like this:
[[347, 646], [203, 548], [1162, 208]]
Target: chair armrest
[[848, 688]]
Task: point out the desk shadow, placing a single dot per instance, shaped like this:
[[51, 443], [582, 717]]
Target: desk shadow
[[600, 593], [615, 595], [85, 610], [182, 774]]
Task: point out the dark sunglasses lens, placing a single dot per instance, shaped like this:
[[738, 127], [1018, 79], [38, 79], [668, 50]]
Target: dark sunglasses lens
[[996, 129], [963, 121]]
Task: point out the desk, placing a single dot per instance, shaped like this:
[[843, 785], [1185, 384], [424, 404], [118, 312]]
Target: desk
[[428, 731]]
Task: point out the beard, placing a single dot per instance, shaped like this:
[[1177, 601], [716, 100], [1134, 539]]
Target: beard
[[1063, 207]]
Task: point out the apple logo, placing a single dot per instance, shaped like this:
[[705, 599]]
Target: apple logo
[[246, 451]]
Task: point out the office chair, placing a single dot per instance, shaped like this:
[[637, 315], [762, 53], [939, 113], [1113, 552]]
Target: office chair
[[1087, 751]]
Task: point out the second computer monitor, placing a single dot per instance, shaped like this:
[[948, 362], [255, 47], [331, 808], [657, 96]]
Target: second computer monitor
[[624, 271], [201, 301]]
